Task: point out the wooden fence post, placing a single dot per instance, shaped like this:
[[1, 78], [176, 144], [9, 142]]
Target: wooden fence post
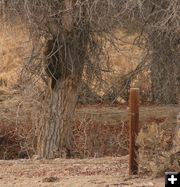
[[133, 130]]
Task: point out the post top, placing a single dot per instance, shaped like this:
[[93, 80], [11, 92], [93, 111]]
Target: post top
[[134, 88]]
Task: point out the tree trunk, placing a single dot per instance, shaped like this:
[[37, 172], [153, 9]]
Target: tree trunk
[[67, 51], [164, 69], [164, 88], [56, 136]]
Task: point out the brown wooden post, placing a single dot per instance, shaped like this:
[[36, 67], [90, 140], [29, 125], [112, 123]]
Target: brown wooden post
[[133, 130]]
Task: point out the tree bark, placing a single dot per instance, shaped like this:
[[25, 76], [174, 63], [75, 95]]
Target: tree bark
[[56, 136]]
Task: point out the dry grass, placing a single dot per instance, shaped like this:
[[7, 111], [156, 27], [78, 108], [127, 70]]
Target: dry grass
[[123, 59], [15, 47], [157, 151], [95, 139]]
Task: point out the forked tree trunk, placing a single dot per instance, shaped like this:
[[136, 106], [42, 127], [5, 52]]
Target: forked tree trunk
[[56, 136]]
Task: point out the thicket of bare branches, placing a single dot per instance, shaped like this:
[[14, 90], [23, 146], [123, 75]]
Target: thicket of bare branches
[[155, 21], [159, 26], [52, 19], [69, 37], [74, 33]]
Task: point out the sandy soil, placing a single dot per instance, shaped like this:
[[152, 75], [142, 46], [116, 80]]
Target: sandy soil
[[95, 172]]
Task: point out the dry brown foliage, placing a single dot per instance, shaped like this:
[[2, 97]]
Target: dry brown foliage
[[158, 154]]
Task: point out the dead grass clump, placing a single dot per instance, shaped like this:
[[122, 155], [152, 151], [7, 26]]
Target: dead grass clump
[[13, 143], [156, 142], [92, 139], [16, 130], [95, 139]]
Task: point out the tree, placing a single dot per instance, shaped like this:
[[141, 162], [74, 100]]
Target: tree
[[163, 38], [158, 24], [164, 68], [74, 32]]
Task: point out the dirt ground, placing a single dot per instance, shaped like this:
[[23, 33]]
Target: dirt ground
[[95, 172], [117, 113]]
